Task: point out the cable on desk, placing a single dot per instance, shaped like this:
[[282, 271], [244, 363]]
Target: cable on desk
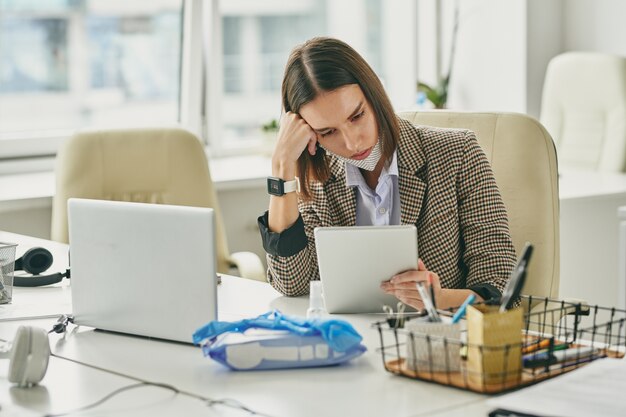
[[113, 394], [67, 317], [46, 316], [226, 402]]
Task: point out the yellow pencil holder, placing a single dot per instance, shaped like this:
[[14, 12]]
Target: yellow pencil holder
[[494, 344]]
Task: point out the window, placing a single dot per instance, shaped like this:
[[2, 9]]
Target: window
[[214, 66], [71, 63], [256, 40]]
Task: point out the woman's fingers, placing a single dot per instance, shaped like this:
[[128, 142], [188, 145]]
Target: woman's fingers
[[312, 144], [404, 285], [295, 131], [410, 276], [413, 302], [420, 265], [406, 294], [404, 291], [407, 285]]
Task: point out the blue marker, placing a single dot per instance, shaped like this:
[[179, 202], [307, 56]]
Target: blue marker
[[534, 360], [461, 311]]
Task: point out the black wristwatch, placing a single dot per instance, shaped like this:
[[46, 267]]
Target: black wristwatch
[[280, 187]]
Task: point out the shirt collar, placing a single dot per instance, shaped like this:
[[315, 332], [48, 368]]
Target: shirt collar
[[354, 178]]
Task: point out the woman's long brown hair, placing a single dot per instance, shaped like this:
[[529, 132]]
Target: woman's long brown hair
[[322, 65]]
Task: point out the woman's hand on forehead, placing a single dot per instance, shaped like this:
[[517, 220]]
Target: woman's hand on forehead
[[294, 137]]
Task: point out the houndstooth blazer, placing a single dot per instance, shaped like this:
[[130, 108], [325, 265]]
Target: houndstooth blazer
[[447, 189]]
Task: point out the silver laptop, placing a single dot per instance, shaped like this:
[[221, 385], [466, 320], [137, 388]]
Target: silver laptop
[[142, 269], [353, 261]]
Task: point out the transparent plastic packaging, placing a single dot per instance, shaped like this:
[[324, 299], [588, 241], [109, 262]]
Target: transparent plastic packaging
[[316, 308]]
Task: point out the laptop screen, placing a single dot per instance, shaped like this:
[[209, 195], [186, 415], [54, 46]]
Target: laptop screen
[[142, 269]]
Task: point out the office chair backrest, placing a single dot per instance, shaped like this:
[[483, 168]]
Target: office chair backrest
[[584, 109], [163, 166], [523, 158]]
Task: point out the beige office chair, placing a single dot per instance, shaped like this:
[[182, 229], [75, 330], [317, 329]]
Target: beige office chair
[[523, 159], [584, 109], [163, 166]]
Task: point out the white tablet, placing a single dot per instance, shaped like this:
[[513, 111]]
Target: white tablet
[[353, 261]]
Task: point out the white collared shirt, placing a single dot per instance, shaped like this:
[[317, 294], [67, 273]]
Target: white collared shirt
[[377, 207]]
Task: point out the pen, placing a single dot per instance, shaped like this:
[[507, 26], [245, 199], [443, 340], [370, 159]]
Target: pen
[[574, 353], [549, 357], [561, 365], [536, 346], [428, 304], [515, 285], [461, 311], [432, 291], [534, 360], [542, 357], [561, 346]]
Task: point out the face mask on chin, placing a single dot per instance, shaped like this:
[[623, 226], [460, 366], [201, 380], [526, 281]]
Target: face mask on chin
[[368, 164]]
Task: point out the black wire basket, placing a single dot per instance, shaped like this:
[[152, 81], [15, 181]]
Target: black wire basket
[[555, 337]]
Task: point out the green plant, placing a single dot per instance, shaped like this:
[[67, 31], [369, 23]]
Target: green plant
[[438, 95], [271, 126]]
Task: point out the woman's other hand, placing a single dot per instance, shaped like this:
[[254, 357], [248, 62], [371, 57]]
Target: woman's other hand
[[404, 286], [294, 136]]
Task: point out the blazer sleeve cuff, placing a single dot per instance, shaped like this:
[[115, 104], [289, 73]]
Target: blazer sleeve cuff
[[486, 291], [286, 243]]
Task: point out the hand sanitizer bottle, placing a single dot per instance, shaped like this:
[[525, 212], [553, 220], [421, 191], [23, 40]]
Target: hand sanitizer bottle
[[316, 301]]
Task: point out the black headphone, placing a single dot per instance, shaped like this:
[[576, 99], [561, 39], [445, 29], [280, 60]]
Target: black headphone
[[35, 261]]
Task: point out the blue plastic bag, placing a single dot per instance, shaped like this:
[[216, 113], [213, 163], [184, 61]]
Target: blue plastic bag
[[273, 341]]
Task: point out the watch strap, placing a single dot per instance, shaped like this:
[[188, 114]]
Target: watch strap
[[279, 187], [291, 186]]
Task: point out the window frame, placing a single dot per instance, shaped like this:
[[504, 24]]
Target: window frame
[[201, 83], [32, 150], [401, 89]]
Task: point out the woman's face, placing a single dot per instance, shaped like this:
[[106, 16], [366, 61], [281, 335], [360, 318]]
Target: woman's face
[[344, 122]]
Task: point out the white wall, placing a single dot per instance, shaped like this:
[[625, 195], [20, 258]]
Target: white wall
[[544, 28], [595, 25], [489, 71], [504, 47], [557, 26], [399, 67], [426, 45], [32, 221]]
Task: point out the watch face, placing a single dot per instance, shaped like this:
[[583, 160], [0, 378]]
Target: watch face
[[275, 186]]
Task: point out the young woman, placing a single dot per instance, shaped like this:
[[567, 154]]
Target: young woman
[[359, 164]]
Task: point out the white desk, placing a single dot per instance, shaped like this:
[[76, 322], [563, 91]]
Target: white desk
[[361, 388], [589, 236], [68, 386]]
